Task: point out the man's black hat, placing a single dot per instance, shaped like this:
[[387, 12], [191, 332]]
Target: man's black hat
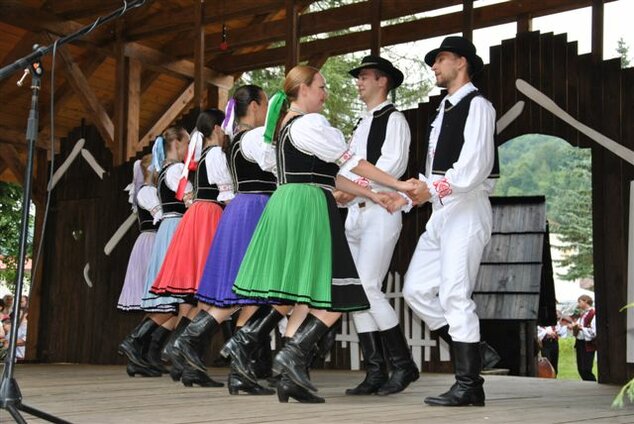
[[377, 62], [458, 45]]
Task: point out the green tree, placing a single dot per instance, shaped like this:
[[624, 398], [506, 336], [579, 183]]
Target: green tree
[[623, 50], [535, 164], [10, 221]]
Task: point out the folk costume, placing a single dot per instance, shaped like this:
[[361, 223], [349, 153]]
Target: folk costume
[[146, 203], [382, 137], [185, 259], [460, 170]]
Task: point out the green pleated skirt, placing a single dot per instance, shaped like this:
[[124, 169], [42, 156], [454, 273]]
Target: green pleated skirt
[[299, 253]]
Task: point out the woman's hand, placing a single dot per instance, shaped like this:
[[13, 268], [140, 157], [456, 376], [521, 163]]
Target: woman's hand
[[342, 197]]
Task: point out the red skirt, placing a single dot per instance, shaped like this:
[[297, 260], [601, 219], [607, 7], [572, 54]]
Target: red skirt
[[187, 253]]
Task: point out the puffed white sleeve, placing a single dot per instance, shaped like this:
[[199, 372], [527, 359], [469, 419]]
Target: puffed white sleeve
[[173, 177], [218, 173], [313, 134], [254, 148], [148, 199]]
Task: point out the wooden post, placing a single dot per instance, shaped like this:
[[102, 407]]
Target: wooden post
[[467, 19], [119, 153], [133, 107], [524, 23], [597, 30], [375, 48], [292, 35], [218, 97], [200, 92]]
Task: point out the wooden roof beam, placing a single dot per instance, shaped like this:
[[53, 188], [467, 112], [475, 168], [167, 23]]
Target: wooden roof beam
[[175, 109], [89, 100], [18, 138], [486, 16], [333, 19], [13, 160], [156, 60], [160, 22]]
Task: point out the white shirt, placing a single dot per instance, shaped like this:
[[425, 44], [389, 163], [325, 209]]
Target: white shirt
[[218, 173], [395, 149], [256, 150], [173, 177], [21, 350], [471, 171], [587, 333], [558, 331], [148, 199], [312, 134]]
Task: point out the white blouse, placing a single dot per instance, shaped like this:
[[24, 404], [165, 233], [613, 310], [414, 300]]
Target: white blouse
[[255, 149], [173, 177], [218, 173], [148, 199], [313, 134]]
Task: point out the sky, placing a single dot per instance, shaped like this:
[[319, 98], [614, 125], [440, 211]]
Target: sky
[[576, 23]]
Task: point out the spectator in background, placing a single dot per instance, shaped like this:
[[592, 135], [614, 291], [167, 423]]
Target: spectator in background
[[8, 303], [21, 339], [549, 341], [24, 302], [585, 331], [4, 313]]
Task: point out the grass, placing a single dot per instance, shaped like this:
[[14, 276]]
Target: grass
[[568, 360]]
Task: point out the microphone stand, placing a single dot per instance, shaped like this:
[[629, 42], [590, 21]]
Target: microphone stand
[[10, 395]]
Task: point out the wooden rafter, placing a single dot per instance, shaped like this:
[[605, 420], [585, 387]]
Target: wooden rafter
[[89, 100], [400, 33], [18, 138], [167, 117], [13, 160], [339, 18]]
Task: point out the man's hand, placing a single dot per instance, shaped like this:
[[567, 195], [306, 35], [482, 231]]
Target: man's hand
[[393, 201], [342, 197], [420, 194]]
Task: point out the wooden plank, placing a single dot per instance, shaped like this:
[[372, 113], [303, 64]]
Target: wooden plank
[[120, 102], [560, 128], [200, 91], [80, 85], [597, 30], [519, 218], [508, 278], [467, 19], [547, 86], [507, 306], [514, 248], [524, 24], [171, 113], [375, 47]]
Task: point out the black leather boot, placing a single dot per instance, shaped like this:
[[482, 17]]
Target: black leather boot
[[188, 345], [274, 380], [176, 371], [153, 354], [287, 388], [404, 370], [488, 354], [263, 359], [245, 342], [375, 368], [292, 359], [132, 345], [133, 370], [166, 353], [468, 387], [236, 384], [192, 376]]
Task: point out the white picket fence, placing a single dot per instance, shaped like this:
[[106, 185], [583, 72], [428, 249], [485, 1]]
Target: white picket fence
[[416, 332]]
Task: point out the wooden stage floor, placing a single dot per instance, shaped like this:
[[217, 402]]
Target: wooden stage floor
[[105, 394]]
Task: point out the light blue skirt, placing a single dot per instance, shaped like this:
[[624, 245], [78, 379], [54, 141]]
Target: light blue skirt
[[152, 302]]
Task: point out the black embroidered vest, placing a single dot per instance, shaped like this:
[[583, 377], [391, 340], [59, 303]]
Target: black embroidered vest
[[451, 138], [202, 189], [378, 129], [247, 175], [145, 220], [295, 166], [169, 203]]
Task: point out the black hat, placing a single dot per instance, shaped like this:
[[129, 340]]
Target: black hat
[[376, 62], [461, 46]]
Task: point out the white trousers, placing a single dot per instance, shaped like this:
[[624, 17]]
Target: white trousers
[[372, 233], [442, 274]]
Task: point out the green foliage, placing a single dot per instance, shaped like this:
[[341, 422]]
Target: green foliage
[[10, 220], [535, 164], [623, 50]]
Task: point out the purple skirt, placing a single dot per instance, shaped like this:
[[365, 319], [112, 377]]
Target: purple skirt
[[134, 285], [233, 235]]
